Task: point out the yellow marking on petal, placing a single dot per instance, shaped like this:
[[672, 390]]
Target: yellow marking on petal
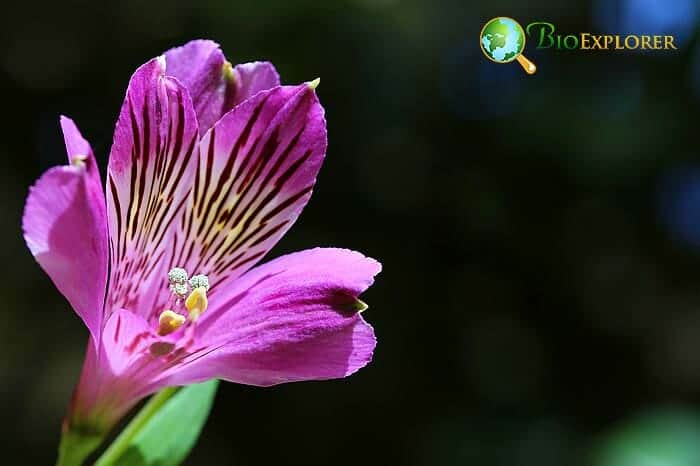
[[227, 71], [169, 321], [235, 232], [79, 160], [196, 303], [314, 84], [353, 306], [135, 206]]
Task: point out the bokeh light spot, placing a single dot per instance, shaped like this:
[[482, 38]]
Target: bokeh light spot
[[675, 17]]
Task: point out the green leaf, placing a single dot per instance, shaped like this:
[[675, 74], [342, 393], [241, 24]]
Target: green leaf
[[165, 430], [660, 437]]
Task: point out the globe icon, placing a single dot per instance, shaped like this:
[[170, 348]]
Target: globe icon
[[502, 40]]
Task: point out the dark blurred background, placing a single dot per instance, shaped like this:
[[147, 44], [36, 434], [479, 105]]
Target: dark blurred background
[[540, 300]]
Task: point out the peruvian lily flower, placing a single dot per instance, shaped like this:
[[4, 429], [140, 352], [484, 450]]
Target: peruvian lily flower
[[210, 165]]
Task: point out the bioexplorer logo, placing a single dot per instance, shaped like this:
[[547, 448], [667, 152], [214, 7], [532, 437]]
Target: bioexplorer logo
[[502, 40]]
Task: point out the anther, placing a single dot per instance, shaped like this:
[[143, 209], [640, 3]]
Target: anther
[[169, 321], [196, 303], [180, 290], [200, 281], [177, 277]]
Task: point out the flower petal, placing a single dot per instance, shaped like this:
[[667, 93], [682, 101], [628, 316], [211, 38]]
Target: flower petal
[[295, 318], [199, 66], [214, 87], [149, 179], [65, 228], [76, 145], [115, 379], [249, 79], [256, 170]]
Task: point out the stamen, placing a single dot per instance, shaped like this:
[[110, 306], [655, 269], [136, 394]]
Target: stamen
[[200, 281], [197, 303], [169, 321], [179, 290], [177, 277]]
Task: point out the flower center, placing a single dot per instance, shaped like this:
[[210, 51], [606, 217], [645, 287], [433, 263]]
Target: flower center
[[194, 294]]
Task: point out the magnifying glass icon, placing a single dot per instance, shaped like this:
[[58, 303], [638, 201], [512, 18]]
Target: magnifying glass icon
[[502, 40]]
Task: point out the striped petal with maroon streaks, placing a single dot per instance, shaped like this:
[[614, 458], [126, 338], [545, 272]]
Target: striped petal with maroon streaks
[[151, 168], [256, 170]]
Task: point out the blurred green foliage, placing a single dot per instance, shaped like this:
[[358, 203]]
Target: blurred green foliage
[[663, 437]]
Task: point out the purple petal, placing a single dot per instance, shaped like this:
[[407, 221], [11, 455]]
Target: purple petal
[[199, 66], [215, 88], [76, 145], [257, 168], [249, 79], [125, 334], [65, 228], [113, 382], [151, 168], [295, 318]]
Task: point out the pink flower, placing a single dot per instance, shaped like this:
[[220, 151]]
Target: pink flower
[[210, 165]]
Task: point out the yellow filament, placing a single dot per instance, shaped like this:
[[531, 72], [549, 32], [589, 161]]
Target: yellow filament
[[169, 321], [196, 303]]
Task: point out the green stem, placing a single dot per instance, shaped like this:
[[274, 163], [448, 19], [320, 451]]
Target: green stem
[[76, 446], [122, 442]]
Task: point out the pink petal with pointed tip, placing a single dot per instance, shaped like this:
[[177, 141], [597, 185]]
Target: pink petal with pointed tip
[[65, 228], [292, 319]]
